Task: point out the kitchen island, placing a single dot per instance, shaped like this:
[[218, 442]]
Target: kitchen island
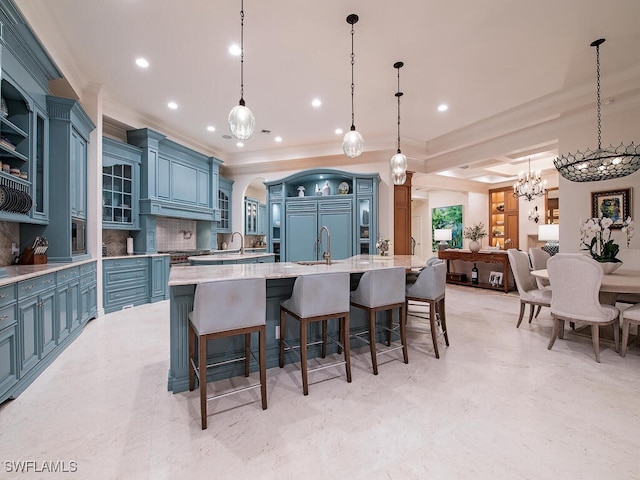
[[280, 277]]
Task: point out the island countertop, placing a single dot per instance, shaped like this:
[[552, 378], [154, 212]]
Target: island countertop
[[228, 256], [192, 275]]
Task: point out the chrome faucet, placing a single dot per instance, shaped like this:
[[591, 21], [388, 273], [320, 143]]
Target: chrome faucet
[[326, 255], [241, 241]]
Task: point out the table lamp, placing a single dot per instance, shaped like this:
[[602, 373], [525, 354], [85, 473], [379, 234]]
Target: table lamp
[[551, 233], [444, 236]]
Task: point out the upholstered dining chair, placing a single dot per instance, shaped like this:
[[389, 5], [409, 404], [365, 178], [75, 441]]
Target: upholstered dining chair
[[539, 260], [382, 291], [224, 309], [528, 289], [412, 276], [429, 289], [630, 316], [575, 280]]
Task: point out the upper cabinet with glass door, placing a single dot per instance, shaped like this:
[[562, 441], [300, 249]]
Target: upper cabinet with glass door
[[120, 185]]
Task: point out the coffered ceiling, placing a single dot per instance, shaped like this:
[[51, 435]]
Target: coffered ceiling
[[504, 67]]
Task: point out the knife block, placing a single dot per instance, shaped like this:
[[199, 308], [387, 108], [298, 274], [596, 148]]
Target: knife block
[[29, 258]]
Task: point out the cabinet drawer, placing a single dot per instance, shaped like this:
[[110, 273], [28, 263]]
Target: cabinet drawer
[[35, 285], [334, 204], [68, 274], [126, 294], [7, 294], [129, 275], [87, 268], [87, 280], [124, 263], [364, 186], [302, 206], [8, 316]]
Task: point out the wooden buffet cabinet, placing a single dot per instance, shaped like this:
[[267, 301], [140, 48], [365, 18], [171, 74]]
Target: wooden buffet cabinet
[[503, 218], [482, 257]]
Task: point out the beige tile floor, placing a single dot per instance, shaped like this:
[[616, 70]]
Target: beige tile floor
[[497, 405]]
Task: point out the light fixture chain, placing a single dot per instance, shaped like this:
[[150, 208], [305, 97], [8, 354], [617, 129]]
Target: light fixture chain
[[398, 95], [242, 51], [353, 123], [598, 95]]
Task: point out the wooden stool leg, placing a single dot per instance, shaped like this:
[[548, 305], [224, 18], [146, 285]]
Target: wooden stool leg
[[521, 313], [555, 332], [262, 354], [324, 338], [303, 355], [531, 309], [247, 354], [202, 377], [347, 353], [432, 323], [443, 321], [372, 339], [389, 314], [595, 336], [403, 333], [192, 356], [282, 331]]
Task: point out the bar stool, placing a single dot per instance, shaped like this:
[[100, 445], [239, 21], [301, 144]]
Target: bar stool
[[429, 288], [224, 309], [382, 291], [317, 298]]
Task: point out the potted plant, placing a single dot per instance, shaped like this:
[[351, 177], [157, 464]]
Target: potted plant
[[595, 237], [475, 233]]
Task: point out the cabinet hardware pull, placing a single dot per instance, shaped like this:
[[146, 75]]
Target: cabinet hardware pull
[[4, 295], [4, 317]]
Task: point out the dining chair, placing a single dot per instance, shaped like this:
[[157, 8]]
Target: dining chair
[[412, 275], [528, 290], [539, 260], [576, 280], [630, 316], [429, 289], [224, 309]]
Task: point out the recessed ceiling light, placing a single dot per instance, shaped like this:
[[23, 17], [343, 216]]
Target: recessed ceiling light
[[338, 131], [443, 107], [239, 144], [235, 50], [316, 102], [172, 105], [278, 139], [142, 62], [211, 128]]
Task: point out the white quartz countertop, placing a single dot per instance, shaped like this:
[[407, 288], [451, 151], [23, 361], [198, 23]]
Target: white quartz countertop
[[16, 273], [192, 275], [230, 256], [112, 257]]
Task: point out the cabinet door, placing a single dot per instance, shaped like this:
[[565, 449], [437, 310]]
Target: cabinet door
[[8, 359], [28, 334], [340, 226], [78, 175], [40, 175], [159, 278], [511, 230], [62, 308], [301, 236], [262, 219], [47, 321]]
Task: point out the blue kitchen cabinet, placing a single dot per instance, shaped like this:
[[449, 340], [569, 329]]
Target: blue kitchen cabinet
[[337, 216], [88, 294], [67, 301], [160, 266], [250, 216], [263, 219], [225, 190], [302, 230], [134, 281], [8, 357], [120, 185]]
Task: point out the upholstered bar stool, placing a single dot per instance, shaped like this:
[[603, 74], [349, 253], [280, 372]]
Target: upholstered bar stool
[[317, 298], [382, 291], [429, 288], [629, 316], [224, 309]]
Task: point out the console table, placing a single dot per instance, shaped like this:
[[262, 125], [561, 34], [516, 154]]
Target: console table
[[483, 256]]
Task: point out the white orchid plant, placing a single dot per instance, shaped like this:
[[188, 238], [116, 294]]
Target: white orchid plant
[[595, 237]]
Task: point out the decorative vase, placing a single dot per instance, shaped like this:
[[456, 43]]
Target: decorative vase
[[610, 267], [474, 246]]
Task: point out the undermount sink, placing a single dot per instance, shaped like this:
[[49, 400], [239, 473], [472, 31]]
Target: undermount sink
[[316, 262]]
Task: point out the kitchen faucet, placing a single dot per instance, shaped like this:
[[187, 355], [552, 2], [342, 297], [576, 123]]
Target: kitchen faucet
[[241, 241], [326, 255]]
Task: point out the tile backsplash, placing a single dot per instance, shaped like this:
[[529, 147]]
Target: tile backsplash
[[175, 234], [9, 233]]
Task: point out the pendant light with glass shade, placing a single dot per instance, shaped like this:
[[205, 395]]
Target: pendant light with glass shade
[[398, 162], [241, 120], [353, 143], [601, 163]]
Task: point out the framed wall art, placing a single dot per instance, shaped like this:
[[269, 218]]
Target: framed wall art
[[447, 217], [613, 204]]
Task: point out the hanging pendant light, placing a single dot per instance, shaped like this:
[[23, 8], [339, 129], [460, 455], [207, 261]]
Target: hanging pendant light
[[529, 185], [353, 143], [599, 164], [398, 162], [241, 120]]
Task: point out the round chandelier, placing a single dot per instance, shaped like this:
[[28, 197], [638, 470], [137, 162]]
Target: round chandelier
[[601, 163], [352, 143]]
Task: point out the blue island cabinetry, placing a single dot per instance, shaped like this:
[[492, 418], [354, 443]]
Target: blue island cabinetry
[[346, 203]]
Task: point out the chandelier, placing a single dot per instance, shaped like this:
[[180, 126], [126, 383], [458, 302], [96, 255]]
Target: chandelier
[[398, 162], [529, 185], [353, 143], [241, 120], [599, 164]]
